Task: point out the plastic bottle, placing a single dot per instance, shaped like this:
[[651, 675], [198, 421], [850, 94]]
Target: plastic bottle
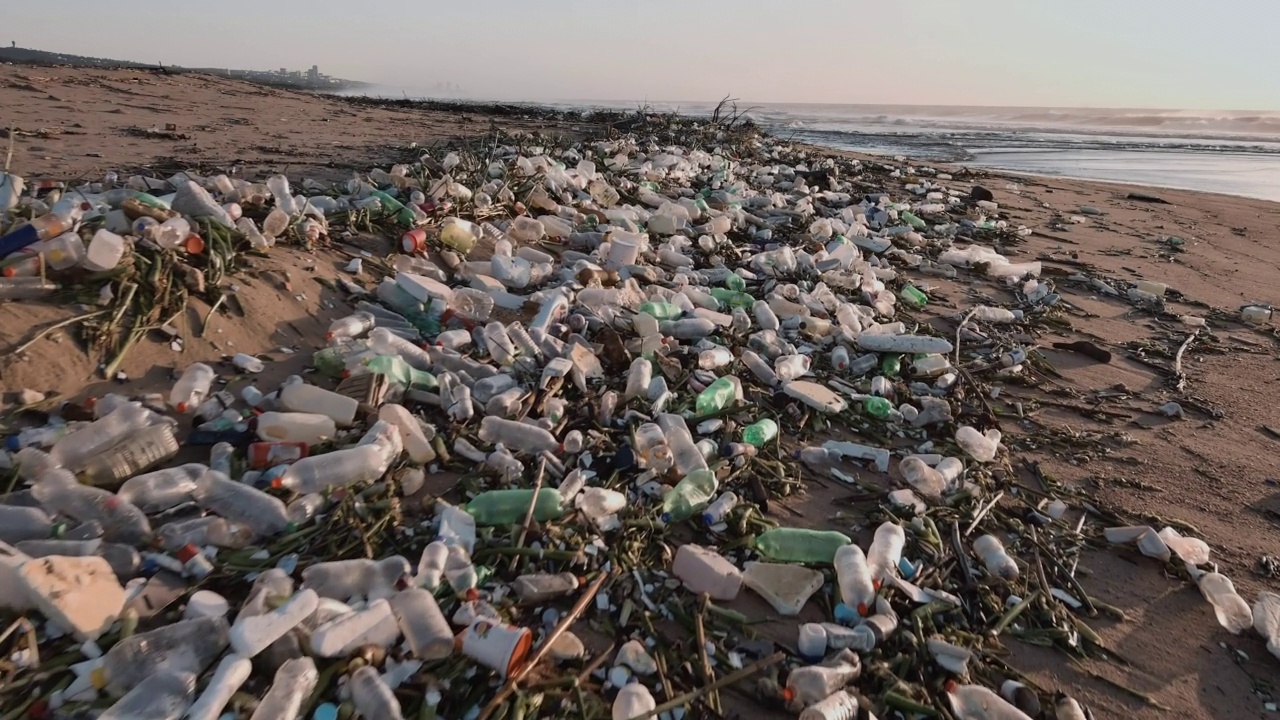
[[372, 697], [840, 705], [202, 531], [853, 575], [812, 684], [192, 388], [44, 227], [790, 367], [765, 316], [518, 436], [293, 684], [662, 311], [760, 433], [994, 558], [720, 509], [158, 491], [460, 572], [840, 358], [187, 646], [164, 696], [251, 635], [139, 452], [979, 446], [689, 496], [309, 428], [344, 579], [800, 545], [23, 523], [340, 468], [634, 700], [1232, 612], [886, 551], [600, 504], [759, 368], [423, 625], [508, 507], [241, 503], [717, 396], [59, 492], [974, 702], [305, 398], [232, 672], [877, 407], [79, 446]]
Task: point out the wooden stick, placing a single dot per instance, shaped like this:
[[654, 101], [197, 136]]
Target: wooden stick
[[528, 516], [725, 681], [708, 675], [578, 608]]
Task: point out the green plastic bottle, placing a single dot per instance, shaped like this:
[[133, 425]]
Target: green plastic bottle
[[404, 215], [801, 546], [689, 496], [401, 373], [877, 407], [508, 507], [912, 296], [735, 282], [760, 432], [329, 361], [891, 366], [732, 298], [716, 397], [909, 218], [661, 310]]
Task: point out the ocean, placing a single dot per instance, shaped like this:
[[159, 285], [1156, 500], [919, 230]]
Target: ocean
[[1230, 152]]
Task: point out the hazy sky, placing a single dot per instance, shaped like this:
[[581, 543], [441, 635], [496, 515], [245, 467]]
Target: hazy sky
[[1100, 53]]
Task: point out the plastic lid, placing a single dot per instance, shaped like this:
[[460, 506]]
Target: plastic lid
[[186, 552]]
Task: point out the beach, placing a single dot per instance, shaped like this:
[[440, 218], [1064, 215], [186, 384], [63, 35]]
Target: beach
[[1095, 425]]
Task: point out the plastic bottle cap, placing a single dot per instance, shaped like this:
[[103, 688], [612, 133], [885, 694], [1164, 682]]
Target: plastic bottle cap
[[181, 407], [188, 551], [194, 244]]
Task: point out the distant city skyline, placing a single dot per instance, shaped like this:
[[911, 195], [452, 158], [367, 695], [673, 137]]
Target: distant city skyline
[[1081, 53]]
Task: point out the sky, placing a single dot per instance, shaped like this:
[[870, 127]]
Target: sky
[[1059, 53]]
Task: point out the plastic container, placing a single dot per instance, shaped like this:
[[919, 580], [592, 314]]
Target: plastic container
[[689, 496], [853, 576], [840, 705], [372, 697], [186, 646], [241, 503], [161, 490], [141, 451], [344, 579], [423, 625], [164, 696], [192, 388], [305, 398], [231, 673], [105, 251], [812, 642], [979, 446], [293, 684], [59, 492], [994, 557], [886, 551], [703, 570], [518, 436], [497, 645], [508, 507], [295, 427]]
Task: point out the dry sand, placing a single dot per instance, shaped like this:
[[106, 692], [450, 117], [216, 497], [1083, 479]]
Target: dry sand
[[1212, 470]]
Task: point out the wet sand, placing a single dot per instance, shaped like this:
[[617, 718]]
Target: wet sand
[[1213, 470]]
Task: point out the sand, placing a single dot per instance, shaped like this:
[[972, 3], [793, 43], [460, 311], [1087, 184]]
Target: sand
[[1213, 470]]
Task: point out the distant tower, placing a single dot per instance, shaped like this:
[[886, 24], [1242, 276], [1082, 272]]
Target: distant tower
[[313, 74]]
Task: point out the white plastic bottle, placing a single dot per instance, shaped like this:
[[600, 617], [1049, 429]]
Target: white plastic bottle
[[422, 623], [416, 442], [306, 398], [232, 672], [192, 387], [720, 509], [517, 436], [371, 695], [853, 575], [252, 635], [975, 702], [310, 428], [431, 565], [840, 705], [634, 700], [293, 683], [840, 360], [812, 684], [1232, 611], [384, 342], [994, 557], [886, 551]]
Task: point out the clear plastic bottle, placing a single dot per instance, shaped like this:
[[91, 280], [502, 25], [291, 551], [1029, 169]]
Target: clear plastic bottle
[[800, 545], [351, 326], [384, 342], [374, 625], [79, 446], [840, 705], [812, 684], [975, 702], [340, 468], [187, 646], [423, 625], [431, 565], [304, 509], [499, 343], [459, 571], [1232, 612], [760, 368], [633, 701], [886, 551], [790, 367], [241, 503], [344, 579], [518, 436], [994, 557], [294, 682], [684, 451], [371, 696], [853, 575], [765, 316], [233, 670], [141, 451], [203, 531], [192, 388], [979, 446], [59, 492], [638, 378], [23, 523], [164, 696], [161, 490]]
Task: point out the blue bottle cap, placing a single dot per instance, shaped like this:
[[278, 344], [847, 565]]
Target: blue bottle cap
[[11, 443], [846, 615], [326, 711]]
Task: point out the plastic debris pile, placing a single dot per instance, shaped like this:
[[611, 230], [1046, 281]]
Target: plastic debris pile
[[540, 466]]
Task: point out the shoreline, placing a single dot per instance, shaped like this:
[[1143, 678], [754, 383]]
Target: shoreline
[[1208, 470]]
